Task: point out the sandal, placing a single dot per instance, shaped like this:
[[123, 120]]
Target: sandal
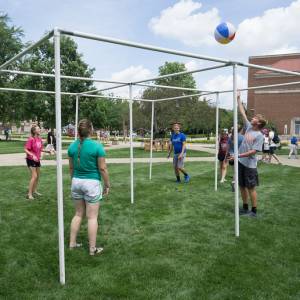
[[96, 251], [75, 247]]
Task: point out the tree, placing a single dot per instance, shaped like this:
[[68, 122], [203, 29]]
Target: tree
[[41, 107], [11, 44], [174, 110]]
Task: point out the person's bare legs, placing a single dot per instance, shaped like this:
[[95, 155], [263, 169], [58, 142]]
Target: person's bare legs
[[76, 221], [276, 158], [253, 196], [32, 181], [92, 216], [38, 172], [177, 173], [223, 166], [244, 194]]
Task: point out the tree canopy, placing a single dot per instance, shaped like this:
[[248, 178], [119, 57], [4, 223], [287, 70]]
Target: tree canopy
[[197, 115]]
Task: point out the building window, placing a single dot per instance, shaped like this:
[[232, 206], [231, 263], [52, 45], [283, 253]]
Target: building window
[[297, 127]]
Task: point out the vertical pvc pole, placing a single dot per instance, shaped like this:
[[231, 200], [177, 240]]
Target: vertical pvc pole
[[151, 141], [59, 175], [76, 117], [236, 160], [131, 145], [217, 141]]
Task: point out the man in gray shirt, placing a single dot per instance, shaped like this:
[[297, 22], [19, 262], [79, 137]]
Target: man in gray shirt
[[248, 176]]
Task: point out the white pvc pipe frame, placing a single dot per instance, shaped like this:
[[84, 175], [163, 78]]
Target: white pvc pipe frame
[[57, 33]]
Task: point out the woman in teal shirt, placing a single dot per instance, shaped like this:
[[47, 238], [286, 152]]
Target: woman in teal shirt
[[87, 169]]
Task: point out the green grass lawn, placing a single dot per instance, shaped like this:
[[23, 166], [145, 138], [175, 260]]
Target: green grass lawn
[[17, 146], [175, 242], [11, 147]]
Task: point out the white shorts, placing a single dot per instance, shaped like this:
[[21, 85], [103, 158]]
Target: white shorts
[[89, 190], [50, 148]]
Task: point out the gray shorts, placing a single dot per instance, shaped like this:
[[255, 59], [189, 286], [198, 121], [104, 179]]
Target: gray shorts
[[178, 163], [89, 190]]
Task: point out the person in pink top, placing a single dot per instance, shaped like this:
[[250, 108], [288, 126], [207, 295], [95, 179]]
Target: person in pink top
[[33, 149]]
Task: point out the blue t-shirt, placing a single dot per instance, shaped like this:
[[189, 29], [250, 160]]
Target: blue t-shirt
[[294, 140], [177, 140]]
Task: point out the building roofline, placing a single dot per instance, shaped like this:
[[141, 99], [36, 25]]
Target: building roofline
[[275, 55]]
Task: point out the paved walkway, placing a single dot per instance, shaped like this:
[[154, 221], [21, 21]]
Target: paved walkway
[[18, 159]]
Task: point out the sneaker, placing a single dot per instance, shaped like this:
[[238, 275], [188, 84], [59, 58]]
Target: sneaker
[[243, 211], [178, 181], [37, 193], [251, 214], [187, 178], [29, 197], [96, 251]]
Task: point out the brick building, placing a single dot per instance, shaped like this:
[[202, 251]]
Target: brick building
[[280, 105]]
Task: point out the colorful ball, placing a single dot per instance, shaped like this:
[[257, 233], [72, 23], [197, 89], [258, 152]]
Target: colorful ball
[[224, 33]]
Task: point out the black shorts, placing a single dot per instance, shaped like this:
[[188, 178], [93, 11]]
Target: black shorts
[[248, 177], [272, 150], [33, 164], [221, 157]]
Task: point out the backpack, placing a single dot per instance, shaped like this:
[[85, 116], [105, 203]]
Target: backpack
[[276, 139]]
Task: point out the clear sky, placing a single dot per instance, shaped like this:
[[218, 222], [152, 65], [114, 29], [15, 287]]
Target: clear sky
[[263, 27]]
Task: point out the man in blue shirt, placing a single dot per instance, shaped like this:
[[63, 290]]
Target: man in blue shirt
[[178, 143], [293, 147]]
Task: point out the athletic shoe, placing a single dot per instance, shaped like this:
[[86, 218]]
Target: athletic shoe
[[186, 178], [37, 193], [244, 212], [251, 214], [96, 251], [178, 181]]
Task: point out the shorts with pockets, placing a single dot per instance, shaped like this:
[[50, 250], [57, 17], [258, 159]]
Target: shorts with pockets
[[248, 177], [178, 163], [89, 190]]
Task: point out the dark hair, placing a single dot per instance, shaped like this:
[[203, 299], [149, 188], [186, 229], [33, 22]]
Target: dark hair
[[85, 128], [33, 130]]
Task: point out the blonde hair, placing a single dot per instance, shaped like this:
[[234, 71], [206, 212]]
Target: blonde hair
[[262, 120], [85, 128], [33, 130]]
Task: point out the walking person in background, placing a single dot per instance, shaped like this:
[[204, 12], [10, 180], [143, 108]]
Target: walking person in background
[[274, 141], [266, 147], [87, 169], [293, 147], [6, 133], [51, 142], [222, 154]]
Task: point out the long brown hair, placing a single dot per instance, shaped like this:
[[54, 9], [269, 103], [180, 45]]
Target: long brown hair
[[33, 130], [85, 128]]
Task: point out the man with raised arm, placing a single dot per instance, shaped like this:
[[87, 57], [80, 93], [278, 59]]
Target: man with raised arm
[[252, 143]]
